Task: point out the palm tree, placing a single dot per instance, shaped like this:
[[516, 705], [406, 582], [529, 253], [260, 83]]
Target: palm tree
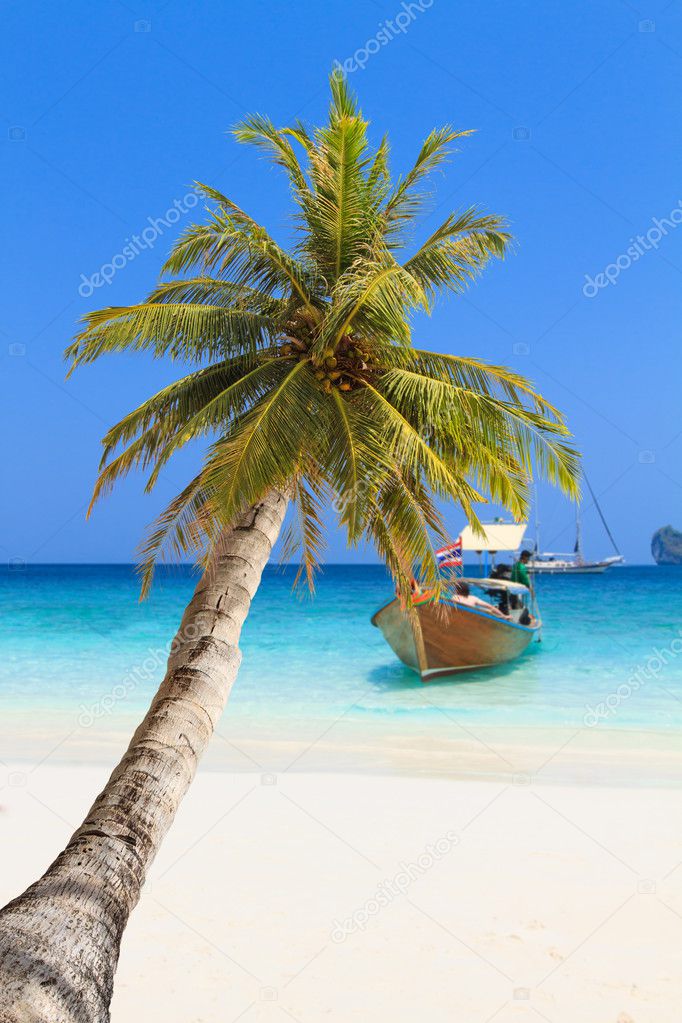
[[307, 382]]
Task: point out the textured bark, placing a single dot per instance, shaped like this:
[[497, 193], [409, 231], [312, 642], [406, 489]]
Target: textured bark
[[59, 941]]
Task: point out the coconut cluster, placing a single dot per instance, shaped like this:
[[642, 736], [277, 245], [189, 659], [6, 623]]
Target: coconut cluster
[[343, 366]]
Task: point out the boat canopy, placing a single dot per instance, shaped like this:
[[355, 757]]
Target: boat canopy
[[497, 536], [496, 584]]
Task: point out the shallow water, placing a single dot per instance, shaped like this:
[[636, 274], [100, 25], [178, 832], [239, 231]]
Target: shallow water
[[75, 638]]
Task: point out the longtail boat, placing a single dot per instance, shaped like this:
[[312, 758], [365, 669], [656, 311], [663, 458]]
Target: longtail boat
[[460, 631]]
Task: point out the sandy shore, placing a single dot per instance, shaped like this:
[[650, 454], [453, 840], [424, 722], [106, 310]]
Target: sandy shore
[[349, 897], [447, 748]]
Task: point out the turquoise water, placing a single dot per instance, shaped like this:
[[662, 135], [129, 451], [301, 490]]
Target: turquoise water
[[75, 638]]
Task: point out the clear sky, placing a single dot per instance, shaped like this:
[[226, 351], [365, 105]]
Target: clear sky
[[111, 109]]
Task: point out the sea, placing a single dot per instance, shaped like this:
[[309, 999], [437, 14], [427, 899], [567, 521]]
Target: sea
[[75, 639]]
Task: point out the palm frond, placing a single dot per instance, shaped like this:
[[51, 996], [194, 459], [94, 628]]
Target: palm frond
[[180, 330], [355, 462], [407, 200], [237, 247], [477, 376], [371, 299], [177, 402], [264, 448], [185, 527], [416, 457], [334, 212], [213, 291], [471, 422], [172, 431], [261, 132], [305, 537], [458, 251]]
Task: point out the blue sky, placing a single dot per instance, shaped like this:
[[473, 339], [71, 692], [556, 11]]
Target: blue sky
[[111, 110]]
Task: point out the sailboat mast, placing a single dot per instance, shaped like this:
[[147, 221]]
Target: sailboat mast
[[601, 516], [578, 534]]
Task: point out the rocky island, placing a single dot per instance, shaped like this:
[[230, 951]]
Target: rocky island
[[666, 546]]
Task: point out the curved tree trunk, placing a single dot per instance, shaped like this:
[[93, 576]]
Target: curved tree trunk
[[59, 941]]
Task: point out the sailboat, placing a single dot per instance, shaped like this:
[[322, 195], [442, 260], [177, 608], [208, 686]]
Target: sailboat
[[548, 563]]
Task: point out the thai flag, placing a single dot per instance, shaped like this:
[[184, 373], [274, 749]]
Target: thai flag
[[450, 556]]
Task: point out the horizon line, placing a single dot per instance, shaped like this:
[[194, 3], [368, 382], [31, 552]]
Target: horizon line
[[20, 564]]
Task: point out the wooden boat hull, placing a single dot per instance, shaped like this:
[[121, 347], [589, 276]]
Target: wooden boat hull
[[443, 639]]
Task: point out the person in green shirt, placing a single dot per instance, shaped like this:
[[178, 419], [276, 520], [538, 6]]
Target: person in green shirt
[[519, 571]]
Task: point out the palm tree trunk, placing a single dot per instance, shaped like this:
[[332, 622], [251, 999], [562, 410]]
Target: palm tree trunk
[[59, 941]]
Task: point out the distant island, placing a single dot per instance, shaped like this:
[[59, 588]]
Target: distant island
[[666, 546]]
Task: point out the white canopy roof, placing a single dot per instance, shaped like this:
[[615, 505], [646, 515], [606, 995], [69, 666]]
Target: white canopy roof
[[499, 536]]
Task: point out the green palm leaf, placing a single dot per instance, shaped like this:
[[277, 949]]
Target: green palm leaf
[[180, 330], [407, 200], [458, 251], [304, 538]]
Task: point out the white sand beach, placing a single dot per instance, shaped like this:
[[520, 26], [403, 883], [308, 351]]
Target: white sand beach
[[313, 896]]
